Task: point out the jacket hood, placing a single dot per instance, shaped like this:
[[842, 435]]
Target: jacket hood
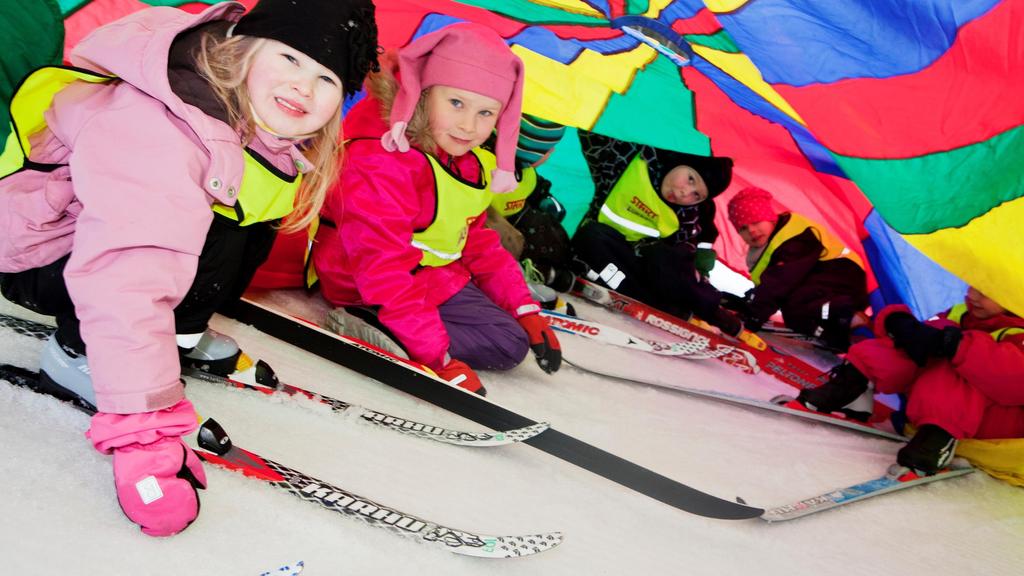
[[137, 48]]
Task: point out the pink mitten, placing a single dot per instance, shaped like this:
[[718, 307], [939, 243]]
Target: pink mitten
[[156, 475]]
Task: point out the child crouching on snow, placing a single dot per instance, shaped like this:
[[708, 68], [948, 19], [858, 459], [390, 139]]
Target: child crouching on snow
[[149, 198], [963, 375], [650, 226], [402, 242], [799, 267]]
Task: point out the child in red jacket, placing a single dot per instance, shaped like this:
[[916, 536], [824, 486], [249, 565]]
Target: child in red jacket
[[402, 248], [963, 375]]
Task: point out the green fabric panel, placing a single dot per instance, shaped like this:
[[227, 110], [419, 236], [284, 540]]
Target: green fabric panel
[[942, 190], [33, 37], [657, 110], [526, 11], [68, 7], [570, 178], [719, 41], [637, 6]]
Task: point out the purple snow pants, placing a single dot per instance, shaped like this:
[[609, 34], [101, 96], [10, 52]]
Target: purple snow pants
[[482, 334]]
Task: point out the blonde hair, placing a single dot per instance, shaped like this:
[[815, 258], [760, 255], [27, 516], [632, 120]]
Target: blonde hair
[[384, 87], [225, 64]]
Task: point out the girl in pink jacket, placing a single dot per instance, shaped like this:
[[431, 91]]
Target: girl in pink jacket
[[962, 374], [150, 191], [402, 242]]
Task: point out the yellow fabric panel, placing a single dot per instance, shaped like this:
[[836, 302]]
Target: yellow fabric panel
[[987, 253], [573, 6], [1002, 459], [553, 91], [742, 69], [12, 158], [723, 6], [615, 70], [655, 7], [575, 95]]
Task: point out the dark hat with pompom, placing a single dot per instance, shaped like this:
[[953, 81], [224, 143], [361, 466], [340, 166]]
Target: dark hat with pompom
[[340, 34]]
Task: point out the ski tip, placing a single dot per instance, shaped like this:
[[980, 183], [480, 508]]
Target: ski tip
[[527, 432], [505, 546]]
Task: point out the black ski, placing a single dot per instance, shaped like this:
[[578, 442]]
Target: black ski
[[398, 373], [267, 383]]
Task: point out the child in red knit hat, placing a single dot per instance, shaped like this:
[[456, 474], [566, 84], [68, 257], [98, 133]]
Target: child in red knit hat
[[404, 247], [797, 266]]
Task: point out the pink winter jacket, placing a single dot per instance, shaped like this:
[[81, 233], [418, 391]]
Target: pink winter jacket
[[368, 259], [132, 205]]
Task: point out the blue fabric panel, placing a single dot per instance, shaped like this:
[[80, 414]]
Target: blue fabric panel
[[907, 276], [801, 42]]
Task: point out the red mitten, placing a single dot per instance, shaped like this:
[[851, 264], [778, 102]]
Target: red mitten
[[542, 341], [458, 373]]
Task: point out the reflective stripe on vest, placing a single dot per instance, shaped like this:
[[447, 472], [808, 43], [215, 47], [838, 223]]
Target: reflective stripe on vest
[[834, 248], [956, 313], [635, 208], [459, 203], [512, 202], [266, 193]]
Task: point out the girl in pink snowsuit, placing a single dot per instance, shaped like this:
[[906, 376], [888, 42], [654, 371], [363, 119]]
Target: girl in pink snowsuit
[[403, 242], [151, 189], [962, 374]]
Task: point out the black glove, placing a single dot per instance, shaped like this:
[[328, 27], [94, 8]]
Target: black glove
[[751, 323], [735, 303], [921, 341]]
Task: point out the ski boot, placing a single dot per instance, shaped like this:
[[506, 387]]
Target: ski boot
[[929, 451], [558, 279], [549, 299], [219, 354], [846, 391], [362, 324], [64, 374]]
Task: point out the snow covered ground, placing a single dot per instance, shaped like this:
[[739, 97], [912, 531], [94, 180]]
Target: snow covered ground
[[60, 515]]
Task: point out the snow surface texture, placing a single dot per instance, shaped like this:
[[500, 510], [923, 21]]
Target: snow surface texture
[[60, 515]]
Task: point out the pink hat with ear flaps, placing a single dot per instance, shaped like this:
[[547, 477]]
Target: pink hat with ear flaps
[[469, 57]]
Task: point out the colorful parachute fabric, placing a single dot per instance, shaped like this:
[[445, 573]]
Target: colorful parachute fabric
[[920, 104], [631, 70], [892, 123]]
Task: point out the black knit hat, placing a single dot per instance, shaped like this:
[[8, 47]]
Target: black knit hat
[[340, 34], [715, 170]]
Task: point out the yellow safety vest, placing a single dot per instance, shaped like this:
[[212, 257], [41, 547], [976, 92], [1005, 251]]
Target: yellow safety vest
[[459, 204], [265, 193], [957, 312], [635, 208], [834, 248], [513, 202]]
